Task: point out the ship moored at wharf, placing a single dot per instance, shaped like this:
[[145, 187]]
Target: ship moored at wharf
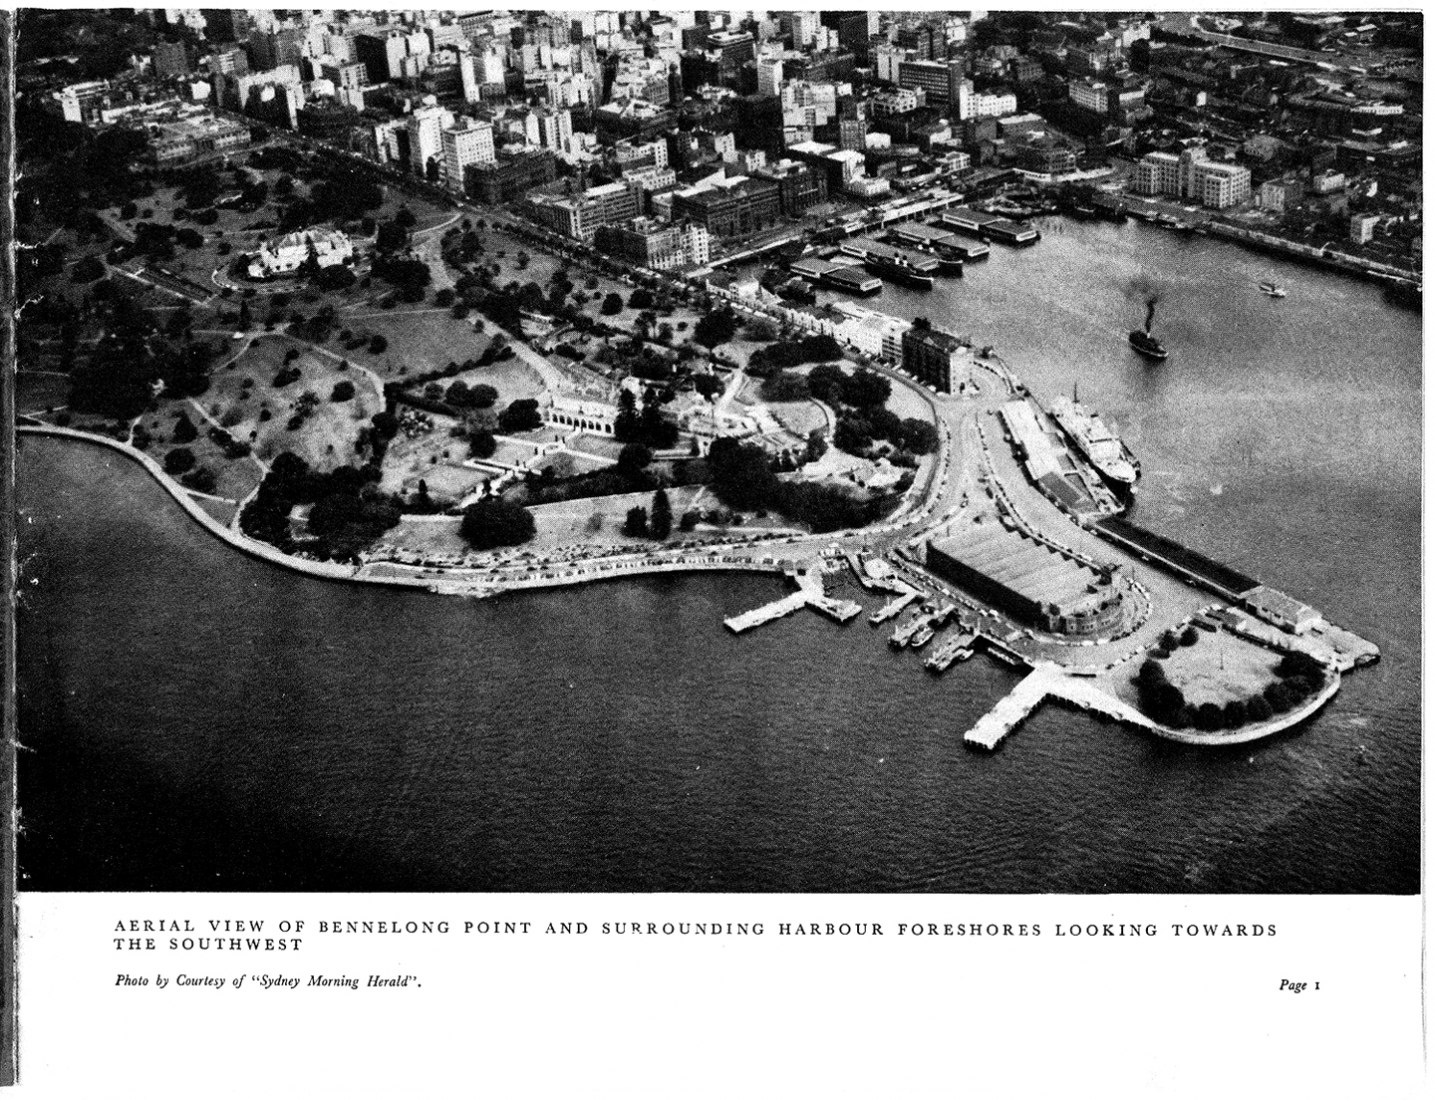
[[951, 253], [825, 273], [1111, 458], [978, 223], [914, 269]]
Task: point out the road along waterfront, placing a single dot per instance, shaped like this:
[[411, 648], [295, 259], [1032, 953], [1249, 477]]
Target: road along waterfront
[[1297, 444]]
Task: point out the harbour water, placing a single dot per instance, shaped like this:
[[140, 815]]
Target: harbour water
[[194, 720]]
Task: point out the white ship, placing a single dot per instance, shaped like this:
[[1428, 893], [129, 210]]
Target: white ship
[[1112, 458]]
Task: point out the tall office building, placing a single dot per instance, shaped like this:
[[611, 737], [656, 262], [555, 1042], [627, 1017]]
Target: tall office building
[[465, 144]]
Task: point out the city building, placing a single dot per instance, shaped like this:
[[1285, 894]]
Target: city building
[[868, 331], [580, 216], [799, 186], [286, 255], [730, 207], [188, 140], [940, 81], [971, 105], [425, 128], [1362, 228], [651, 243], [932, 356], [510, 177], [1090, 95], [1028, 578], [1190, 175], [468, 143]]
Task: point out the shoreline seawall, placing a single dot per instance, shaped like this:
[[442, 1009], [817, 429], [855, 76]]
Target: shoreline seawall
[[441, 582]]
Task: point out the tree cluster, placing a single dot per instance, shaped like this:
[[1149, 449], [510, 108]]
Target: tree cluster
[[493, 522], [793, 353], [348, 511], [717, 327], [520, 416], [132, 363], [647, 426], [409, 276], [743, 478], [1298, 677]]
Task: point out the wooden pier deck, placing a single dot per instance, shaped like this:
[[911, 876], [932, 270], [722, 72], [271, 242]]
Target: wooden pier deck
[[893, 609], [841, 610], [1010, 712], [809, 594], [1042, 683], [767, 612]]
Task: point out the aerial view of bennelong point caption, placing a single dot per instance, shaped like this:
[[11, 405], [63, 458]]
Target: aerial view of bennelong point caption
[[483, 303]]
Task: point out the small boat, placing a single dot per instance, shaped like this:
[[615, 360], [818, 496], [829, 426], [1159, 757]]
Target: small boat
[[1147, 344], [921, 638], [1273, 290]]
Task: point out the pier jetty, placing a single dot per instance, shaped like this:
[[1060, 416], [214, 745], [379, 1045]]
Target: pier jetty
[[1011, 711], [809, 594], [893, 609], [767, 612]]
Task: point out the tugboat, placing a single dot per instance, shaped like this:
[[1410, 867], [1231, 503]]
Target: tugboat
[[1273, 290], [1143, 341], [1147, 344]]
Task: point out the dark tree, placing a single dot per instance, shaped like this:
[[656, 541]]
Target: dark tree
[[816, 445], [481, 443], [493, 522], [715, 328], [184, 430], [391, 237], [627, 426], [828, 382], [741, 475], [918, 436], [709, 385], [636, 523], [867, 390], [612, 305], [343, 391], [633, 458], [661, 523], [178, 460], [520, 416], [852, 435]]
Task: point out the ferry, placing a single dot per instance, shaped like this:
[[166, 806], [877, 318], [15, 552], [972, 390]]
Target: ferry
[[912, 268], [1112, 209], [928, 241], [1273, 290], [835, 276], [1112, 459], [978, 223], [968, 249], [950, 652]]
